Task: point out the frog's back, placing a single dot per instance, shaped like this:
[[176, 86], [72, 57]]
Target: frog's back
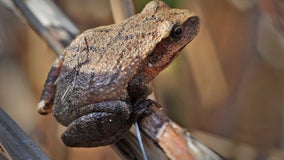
[[94, 69], [100, 62]]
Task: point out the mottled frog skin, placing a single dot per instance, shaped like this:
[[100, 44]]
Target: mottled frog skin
[[98, 87]]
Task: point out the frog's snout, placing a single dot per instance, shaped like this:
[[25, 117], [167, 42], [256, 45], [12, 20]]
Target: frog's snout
[[192, 25], [194, 20]]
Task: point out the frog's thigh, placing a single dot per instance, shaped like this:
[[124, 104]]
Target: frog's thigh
[[100, 127]]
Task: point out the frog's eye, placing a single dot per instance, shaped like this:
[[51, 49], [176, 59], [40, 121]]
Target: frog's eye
[[154, 59], [176, 32]]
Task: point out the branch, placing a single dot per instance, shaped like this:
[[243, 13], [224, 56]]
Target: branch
[[176, 142], [14, 143], [49, 22], [170, 140]]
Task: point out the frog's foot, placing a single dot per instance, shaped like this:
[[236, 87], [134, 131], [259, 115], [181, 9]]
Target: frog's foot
[[141, 108], [44, 107], [101, 124], [48, 93]]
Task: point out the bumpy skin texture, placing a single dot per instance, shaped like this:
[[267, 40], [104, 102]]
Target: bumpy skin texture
[[98, 88]]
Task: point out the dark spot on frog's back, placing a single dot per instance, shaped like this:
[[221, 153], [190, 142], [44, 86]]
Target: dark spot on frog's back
[[75, 49], [152, 18], [128, 37], [143, 35], [106, 30], [94, 49]]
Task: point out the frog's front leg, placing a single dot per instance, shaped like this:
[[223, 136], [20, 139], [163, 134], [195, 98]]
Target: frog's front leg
[[98, 124], [137, 90], [46, 100]]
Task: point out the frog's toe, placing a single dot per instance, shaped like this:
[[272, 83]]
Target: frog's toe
[[43, 107], [141, 108]]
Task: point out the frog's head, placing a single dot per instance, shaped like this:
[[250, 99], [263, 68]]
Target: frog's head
[[175, 28]]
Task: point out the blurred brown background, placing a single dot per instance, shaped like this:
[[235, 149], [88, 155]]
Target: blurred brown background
[[226, 87]]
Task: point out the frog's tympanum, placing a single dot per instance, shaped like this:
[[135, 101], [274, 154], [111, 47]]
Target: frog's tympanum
[[99, 86]]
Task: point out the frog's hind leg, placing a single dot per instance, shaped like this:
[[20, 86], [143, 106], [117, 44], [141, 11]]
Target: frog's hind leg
[[46, 100], [98, 124]]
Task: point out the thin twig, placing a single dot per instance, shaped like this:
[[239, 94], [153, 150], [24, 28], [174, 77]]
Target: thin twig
[[121, 9]]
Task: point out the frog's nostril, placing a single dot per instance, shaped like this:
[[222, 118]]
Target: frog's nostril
[[194, 20]]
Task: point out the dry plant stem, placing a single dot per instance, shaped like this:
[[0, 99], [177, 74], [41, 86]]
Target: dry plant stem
[[58, 31], [128, 148], [175, 141], [14, 143], [121, 9]]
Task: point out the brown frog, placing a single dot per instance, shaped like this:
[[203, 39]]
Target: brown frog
[[99, 86]]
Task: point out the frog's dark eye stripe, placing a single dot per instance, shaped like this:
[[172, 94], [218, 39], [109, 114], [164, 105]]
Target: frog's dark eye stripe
[[176, 32]]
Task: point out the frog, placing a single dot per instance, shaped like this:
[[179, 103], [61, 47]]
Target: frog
[[99, 86]]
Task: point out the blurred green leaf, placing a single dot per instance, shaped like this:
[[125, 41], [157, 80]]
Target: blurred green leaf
[[140, 4]]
